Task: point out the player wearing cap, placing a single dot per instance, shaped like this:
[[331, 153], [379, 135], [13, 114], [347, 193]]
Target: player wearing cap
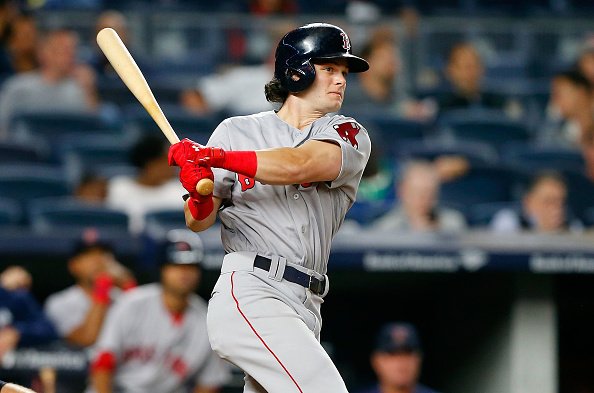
[[397, 360], [78, 311], [284, 181], [154, 339]]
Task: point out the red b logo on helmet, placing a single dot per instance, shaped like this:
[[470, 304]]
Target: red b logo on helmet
[[346, 42]]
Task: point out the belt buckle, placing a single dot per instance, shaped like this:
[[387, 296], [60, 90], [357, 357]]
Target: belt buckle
[[315, 287]]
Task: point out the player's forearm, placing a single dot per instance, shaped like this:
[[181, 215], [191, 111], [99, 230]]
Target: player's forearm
[[86, 333], [287, 165], [13, 388], [199, 225], [102, 381]]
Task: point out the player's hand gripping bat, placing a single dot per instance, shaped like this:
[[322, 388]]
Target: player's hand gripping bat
[[121, 60]]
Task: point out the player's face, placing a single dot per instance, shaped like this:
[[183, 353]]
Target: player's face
[[87, 266], [327, 91], [180, 280], [399, 370]]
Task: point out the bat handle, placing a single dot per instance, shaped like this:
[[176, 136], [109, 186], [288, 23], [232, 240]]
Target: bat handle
[[205, 186]]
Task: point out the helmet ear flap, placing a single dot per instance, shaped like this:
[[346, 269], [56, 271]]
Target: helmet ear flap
[[299, 79]]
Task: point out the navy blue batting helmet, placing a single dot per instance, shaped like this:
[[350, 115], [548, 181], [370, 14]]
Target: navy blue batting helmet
[[315, 41], [182, 247]]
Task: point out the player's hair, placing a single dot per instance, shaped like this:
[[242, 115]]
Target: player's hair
[[147, 149], [275, 92]]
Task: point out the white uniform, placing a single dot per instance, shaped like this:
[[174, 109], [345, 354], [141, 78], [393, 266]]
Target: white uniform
[[67, 309], [257, 319], [156, 351]]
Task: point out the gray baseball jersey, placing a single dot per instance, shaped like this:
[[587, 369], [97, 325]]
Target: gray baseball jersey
[[297, 221], [67, 309], [156, 351]]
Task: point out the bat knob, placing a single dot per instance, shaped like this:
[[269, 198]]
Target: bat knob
[[205, 186]]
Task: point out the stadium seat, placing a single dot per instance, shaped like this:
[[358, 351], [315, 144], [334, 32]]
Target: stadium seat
[[10, 212], [138, 122], [365, 212], [481, 214], [477, 153], [159, 222], [25, 182], [580, 196], [11, 153], [94, 154], [543, 158], [489, 127], [387, 132], [481, 185], [67, 214]]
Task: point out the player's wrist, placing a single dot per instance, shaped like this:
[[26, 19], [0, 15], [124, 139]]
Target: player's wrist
[[102, 289], [200, 208], [242, 162]]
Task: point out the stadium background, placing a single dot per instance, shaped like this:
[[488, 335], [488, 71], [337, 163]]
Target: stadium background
[[493, 316]]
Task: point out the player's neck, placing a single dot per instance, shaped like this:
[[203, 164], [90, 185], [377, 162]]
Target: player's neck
[[297, 114], [174, 303]]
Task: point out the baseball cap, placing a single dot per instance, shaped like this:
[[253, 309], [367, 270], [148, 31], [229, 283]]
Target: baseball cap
[[90, 240], [182, 247], [398, 337]]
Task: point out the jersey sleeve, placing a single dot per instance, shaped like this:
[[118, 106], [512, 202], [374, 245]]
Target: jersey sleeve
[[65, 315], [355, 145], [215, 372], [224, 179]]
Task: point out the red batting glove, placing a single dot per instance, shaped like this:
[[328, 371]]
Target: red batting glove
[[103, 285], [200, 205], [188, 151]]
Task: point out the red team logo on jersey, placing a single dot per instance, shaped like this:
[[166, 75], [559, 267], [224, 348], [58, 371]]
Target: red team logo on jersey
[[348, 132], [247, 183]]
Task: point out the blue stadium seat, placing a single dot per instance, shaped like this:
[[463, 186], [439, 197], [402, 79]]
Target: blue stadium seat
[[10, 212], [365, 212], [94, 154], [11, 153], [481, 214], [543, 158], [477, 153], [139, 122], [580, 196], [67, 214], [25, 182], [386, 131], [588, 217], [481, 185], [483, 126], [159, 222]]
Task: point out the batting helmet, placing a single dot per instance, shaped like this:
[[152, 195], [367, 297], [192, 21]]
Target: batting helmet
[[182, 247], [315, 41]]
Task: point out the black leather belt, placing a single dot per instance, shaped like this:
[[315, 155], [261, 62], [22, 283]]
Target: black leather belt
[[293, 275]]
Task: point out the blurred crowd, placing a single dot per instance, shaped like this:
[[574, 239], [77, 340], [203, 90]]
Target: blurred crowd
[[450, 154]]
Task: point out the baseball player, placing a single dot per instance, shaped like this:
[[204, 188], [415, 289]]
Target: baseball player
[[154, 339], [7, 387], [284, 182]]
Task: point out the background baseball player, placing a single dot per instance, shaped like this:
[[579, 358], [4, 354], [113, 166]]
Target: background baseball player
[[284, 182], [154, 339]]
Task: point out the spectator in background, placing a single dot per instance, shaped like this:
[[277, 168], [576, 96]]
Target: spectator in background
[[153, 188], [543, 209], [92, 188], [464, 73], [20, 48], [381, 90], [154, 339], [59, 85], [78, 311], [22, 322], [417, 210], [571, 117], [397, 360], [585, 61], [15, 278]]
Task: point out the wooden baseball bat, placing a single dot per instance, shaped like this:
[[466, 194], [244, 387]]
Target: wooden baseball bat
[[122, 61]]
